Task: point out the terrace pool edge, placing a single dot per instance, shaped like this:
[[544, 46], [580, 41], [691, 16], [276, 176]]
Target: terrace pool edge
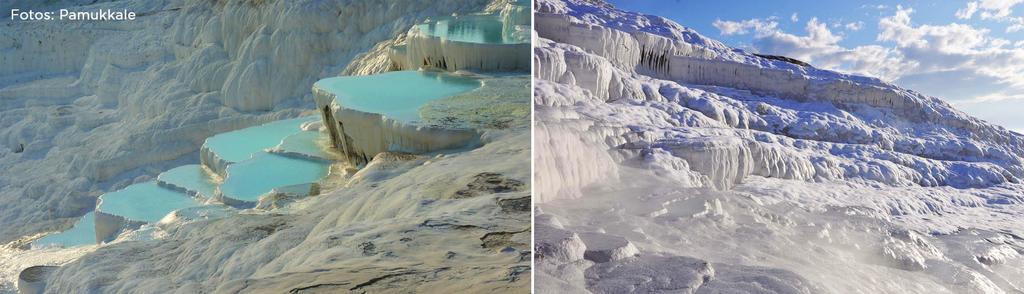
[[359, 135]]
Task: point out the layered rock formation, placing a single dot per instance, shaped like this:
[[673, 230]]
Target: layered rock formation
[[734, 172]]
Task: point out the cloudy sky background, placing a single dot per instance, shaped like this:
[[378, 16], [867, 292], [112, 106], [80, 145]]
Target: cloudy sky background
[[970, 53]]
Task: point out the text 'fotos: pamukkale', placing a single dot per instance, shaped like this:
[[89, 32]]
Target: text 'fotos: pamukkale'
[[64, 14]]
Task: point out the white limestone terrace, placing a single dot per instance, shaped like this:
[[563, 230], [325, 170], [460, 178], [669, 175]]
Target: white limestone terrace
[[496, 41], [250, 163], [396, 216], [306, 144], [729, 172], [772, 96], [365, 115], [497, 207], [248, 181], [475, 55], [33, 279], [77, 118], [191, 179], [134, 206], [222, 150], [88, 108], [659, 48], [298, 161], [82, 233], [253, 162]]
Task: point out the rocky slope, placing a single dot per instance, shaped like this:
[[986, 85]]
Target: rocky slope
[[91, 107]]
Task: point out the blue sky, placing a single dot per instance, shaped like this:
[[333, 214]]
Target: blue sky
[[970, 53]]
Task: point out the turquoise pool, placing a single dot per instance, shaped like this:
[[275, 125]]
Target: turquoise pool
[[147, 202], [250, 179], [83, 233], [485, 29], [256, 173], [304, 143], [191, 177], [397, 95], [237, 146]]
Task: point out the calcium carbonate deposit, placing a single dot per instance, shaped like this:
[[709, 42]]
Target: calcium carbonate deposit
[[669, 162], [196, 124]]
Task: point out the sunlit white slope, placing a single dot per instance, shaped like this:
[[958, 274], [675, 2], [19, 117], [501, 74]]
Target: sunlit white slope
[[766, 169]]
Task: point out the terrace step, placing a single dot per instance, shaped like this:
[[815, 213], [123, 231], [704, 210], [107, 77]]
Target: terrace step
[[247, 181], [191, 179], [136, 205]]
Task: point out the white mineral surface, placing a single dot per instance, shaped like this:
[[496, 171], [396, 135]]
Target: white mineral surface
[[732, 173], [92, 107]]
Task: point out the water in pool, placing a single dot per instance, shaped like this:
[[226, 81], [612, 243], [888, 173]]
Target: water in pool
[[250, 179], [484, 29], [397, 95], [146, 202], [192, 177], [83, 233], [304, 143], [240, 145]]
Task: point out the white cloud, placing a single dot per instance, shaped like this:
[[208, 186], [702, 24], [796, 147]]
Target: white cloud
[[819, 46], [990, 9], [999, 109], [930, 58], [1000, 96], [955, 47], [728, 28], [1016, 24], [978, 72], [876, 7], [967, 12], [854, 26], [952, 47], [997, 9], [999, 43], [950, 38], [794, 17]]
